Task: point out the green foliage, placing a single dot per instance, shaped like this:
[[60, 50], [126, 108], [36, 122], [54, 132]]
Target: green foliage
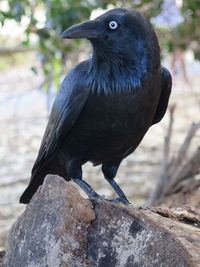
[[185, 35], [59, 15], [148, 7], [10, 59], [188, 30]]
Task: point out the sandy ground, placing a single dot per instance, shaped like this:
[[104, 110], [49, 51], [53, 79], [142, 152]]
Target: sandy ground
[[23, 118]]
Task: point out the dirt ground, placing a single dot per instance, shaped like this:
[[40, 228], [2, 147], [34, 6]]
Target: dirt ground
[[23, 117]]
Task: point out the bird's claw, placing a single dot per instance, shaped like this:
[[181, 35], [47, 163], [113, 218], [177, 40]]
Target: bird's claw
[[114, 200], [120, 200], [96, 196]]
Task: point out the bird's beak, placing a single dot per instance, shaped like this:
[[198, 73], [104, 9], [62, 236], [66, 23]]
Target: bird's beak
[[88, 29]]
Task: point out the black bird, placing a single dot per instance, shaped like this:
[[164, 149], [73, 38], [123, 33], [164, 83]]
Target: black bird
[[106, 104]]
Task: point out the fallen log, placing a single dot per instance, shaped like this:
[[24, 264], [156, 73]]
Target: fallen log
[[61, 228]]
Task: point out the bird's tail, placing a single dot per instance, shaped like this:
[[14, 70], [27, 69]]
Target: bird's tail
[[31, 189], [38, 176]]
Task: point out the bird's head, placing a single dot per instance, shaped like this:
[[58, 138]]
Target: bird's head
[[125, 49], [118, 31]]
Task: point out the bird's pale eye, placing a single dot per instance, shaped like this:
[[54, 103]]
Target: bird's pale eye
[[113, 25]]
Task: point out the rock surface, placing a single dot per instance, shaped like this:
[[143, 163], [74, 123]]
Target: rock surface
[[2, 254], [60, 228], [53, 229]]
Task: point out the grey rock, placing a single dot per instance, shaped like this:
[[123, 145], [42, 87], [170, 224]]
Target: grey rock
[[59, 228], [53, 229]]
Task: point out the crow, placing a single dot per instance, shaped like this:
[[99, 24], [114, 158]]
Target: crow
[[106, 103]]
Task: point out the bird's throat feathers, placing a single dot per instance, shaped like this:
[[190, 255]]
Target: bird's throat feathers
[[110, 73]]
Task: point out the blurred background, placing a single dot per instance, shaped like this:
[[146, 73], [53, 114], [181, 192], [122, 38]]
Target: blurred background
[[34, 60]]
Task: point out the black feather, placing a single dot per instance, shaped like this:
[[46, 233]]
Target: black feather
[[106, 104]]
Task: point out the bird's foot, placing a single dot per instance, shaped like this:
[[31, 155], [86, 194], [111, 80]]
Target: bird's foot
[[140, 208], [97, 196], [88, 189], [143, 207], [120, 200], [93, 195], [114, 200]]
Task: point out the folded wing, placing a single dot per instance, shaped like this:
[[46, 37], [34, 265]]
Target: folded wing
[[166, 84]]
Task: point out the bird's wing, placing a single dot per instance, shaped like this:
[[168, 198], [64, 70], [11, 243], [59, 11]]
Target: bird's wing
[[65, 111], [166, 85]]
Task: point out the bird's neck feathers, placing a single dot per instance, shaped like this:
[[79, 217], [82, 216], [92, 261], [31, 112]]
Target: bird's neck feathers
[[117, 73]]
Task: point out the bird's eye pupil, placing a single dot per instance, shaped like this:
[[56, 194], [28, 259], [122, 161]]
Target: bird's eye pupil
[[113, 25]]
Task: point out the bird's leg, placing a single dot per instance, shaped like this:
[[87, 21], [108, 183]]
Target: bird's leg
[[86, 188], [122, 197], [109, 170], [74, 170]]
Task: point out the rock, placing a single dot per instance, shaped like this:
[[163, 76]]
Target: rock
[[133, 238], [60, 228], [53, 229], [2, 254]]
